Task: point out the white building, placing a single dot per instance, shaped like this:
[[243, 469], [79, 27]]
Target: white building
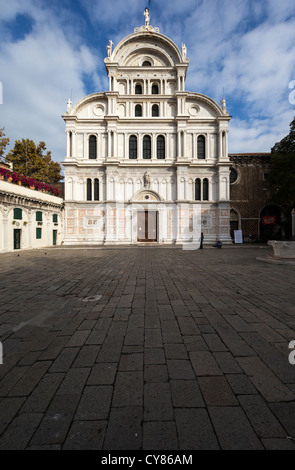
[[147, 161], [28, 218]]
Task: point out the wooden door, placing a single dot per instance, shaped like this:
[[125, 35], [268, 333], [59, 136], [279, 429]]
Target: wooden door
[[147, 226], [16, 239]]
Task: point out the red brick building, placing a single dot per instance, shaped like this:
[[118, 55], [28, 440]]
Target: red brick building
[[251, 208]]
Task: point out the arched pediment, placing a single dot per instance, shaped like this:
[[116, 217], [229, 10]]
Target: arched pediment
[[135, 46], [146, 195]]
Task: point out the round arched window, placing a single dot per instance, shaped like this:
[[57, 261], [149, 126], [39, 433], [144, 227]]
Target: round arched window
[[146, 63]]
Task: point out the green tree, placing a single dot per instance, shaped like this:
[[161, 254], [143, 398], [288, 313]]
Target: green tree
[[282, 175], [4, 141], [35, 161]]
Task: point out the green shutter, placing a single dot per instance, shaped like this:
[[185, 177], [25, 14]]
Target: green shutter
[[18, 214], [39, 216], [55, 218], [38, 233]]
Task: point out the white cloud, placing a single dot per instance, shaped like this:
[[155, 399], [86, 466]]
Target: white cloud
[[40, 72]]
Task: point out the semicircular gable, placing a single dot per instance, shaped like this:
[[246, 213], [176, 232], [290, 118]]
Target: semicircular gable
[[140, 43], [199, 105]]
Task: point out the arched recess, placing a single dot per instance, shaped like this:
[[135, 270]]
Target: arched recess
[[270, 223], [235, 222]]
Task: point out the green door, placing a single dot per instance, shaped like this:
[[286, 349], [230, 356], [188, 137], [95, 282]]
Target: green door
[[54, 236], [16, 239]]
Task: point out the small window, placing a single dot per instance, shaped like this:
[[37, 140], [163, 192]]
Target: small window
[[89, 189], [39, 216], [201, 147], [55, 218], [138, 89], [205, 190], [155, 89], [17, 214], [146, 147], [146, 63], [96, 189], [38, 233], [265, 176], [233, 176], [155, 110], [198, 189], [92, 146], [138, 110], [161, 147], [133, 147]]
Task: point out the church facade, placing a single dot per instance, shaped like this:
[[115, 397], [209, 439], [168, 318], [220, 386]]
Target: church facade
[[147, 161]]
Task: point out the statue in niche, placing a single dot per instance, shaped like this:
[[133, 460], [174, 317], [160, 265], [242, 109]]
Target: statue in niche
[[109, 48], [147, 16], [146, 180], [183, 50]]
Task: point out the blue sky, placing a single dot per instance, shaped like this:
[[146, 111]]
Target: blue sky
[[50, 50]]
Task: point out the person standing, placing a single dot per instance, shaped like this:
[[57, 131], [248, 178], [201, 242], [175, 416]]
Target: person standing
[[201, 240]]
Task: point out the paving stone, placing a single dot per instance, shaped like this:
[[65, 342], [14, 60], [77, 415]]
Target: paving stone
[[186, 394], [157, 402], [204, 363], [233, 430], [160, 435], [111, 349], [227, 363], [85, 435], [260, 416], [241, 384], [78, 339], [195, 431], [56, 421], [86, 356], [19, 433], [30, 379], [8, 410], [155, 373], [102, 374], [64, 360], [175, 351], [214, 342], [128, 389], [279, 444], [95, 403], [124, 429], [131, 361], [285, 414], [216, 391], [74, 381], [180, 369], [154, 356], [42, 395]]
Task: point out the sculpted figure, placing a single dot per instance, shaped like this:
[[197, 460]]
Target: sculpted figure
[[184, 51], [146, 180], [147, 16], [109, 48]]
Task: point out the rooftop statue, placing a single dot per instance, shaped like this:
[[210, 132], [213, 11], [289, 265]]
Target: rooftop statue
[[147, 16]]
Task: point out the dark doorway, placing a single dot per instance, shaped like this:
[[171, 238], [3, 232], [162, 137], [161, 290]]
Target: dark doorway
[[54, 234], [147, 226], [270, 223], [16, 239]]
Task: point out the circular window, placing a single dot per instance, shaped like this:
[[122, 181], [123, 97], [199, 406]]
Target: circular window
[[233, 176]]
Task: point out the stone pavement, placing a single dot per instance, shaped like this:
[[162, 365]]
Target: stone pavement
[[146, 348]]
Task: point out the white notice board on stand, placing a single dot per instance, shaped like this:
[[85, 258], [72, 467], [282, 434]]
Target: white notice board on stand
[[238, 236]]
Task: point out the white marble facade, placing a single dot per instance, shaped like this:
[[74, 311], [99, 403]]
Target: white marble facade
[[147, 161]]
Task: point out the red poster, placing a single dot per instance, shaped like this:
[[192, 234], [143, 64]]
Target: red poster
[[269, 220]]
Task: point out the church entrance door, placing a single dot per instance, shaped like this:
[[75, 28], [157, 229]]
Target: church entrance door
[[147, 226]]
